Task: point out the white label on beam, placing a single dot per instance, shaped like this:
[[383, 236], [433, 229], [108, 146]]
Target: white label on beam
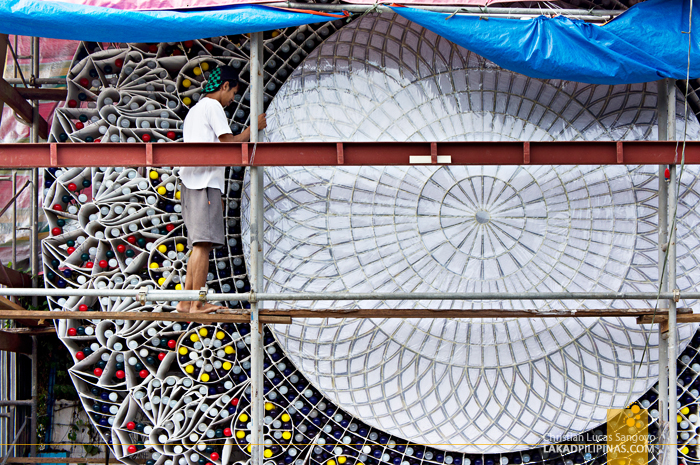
[[427, 159]]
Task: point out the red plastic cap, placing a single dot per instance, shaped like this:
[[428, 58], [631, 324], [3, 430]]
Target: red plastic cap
[[79, 125], [70, 250], [146, 137], [72, 187], [143, 374], [131, 240], [171, 135], [234, 401], [80, 355], [131, 425], [85, 82], [72, 103], [103, 263], [72, 331], [188, 43], [131, 449], [120, 374], [153, 48], [161, 356], [169, 227], [667, 173], [227, 432], [214, 456], [82, 307], [89, 265], [58, 207], [56, 231], [121, 248], [118, 62], [172, 343], [98, 371]]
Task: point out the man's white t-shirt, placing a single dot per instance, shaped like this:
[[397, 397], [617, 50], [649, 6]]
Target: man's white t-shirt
[[205, 122]]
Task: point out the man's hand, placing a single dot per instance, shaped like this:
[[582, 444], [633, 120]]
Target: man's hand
[[262, 122], [245, 135]]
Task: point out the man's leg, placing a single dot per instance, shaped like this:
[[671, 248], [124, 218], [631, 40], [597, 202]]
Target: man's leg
[[197, 269]]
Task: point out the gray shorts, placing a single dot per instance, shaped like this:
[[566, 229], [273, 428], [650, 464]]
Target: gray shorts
[[203, 215]]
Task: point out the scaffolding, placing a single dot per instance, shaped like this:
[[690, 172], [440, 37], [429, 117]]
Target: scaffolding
[[660, 153]]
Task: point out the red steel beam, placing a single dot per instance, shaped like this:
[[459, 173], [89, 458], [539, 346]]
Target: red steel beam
[[346, 154]]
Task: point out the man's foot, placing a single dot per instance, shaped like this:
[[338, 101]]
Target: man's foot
[[183, 307], [205, 307]]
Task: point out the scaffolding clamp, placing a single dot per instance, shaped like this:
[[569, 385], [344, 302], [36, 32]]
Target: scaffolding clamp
[[203, 294], [251, 298], [142, 295], [676, 295]]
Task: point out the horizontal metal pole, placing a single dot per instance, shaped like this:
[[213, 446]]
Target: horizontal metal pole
[[15, 403], [472, 296], [476, 153], [285, 316], [461, 10], [171, 295], [38, 81]]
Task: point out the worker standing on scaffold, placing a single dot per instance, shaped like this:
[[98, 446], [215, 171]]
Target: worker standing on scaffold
[[202, 186]]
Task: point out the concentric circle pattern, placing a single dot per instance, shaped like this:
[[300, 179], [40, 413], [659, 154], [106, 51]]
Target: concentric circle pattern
[[121, 228], [469, 385]]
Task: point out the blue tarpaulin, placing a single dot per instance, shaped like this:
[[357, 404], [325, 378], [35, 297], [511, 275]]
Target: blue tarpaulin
[[58, 20], [646, 43]]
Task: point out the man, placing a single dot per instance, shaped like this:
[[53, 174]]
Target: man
[[202, 186]]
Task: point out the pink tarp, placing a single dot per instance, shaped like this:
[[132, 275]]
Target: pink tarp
[[184, 4], [56, 56]]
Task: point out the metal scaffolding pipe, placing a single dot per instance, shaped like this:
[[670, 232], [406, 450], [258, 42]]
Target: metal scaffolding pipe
[[38, 81], [15, 403], [662, 127], [14, 221], [34, 253], [672, 327], [171, 295], [35, 398], [463, 10], [34, 133], [256, 256], [667, 351]]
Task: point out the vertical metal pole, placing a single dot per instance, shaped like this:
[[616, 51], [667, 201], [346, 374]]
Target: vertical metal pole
[[672, 334], [35, 396], [35, 251], [662, 125], [256, 255], [668, 90], [14, 220], [34, 240]]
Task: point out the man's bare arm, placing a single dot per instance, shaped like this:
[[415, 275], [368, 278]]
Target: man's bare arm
[[245, 135], [229, 138]]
